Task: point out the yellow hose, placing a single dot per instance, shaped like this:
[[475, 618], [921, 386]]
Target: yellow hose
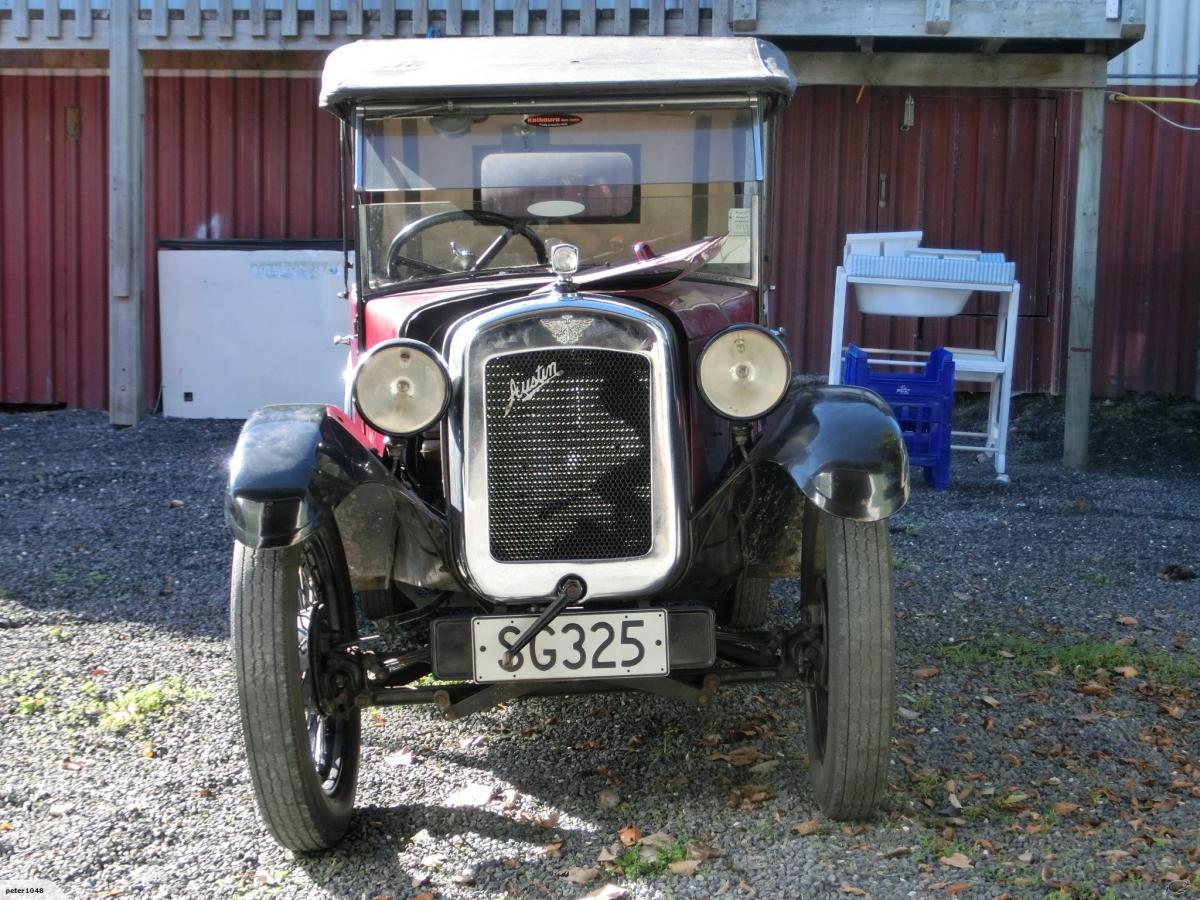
[[1126, 98]]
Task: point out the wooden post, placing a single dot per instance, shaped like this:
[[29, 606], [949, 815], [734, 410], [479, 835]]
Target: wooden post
[[126, 235], [1083, 280]]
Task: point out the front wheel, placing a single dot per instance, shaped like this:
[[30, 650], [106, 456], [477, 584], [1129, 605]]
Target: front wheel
[[289, 607], [846, 589]]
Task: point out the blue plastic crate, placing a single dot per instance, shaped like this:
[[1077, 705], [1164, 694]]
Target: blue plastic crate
[[923, 403]]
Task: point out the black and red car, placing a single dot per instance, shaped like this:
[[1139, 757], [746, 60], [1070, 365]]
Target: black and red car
[[572, 454]]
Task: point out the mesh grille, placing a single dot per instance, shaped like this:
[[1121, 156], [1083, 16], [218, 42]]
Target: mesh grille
[[568, 455]]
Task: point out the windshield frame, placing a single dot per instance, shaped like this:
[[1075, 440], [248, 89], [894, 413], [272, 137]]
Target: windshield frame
[[755, 103]]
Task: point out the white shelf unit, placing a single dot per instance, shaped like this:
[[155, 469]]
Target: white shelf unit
[[992, 366]]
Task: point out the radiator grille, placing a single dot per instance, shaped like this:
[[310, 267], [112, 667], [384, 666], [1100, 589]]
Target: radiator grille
[[568, 455]]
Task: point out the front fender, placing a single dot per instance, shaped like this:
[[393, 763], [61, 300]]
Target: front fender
[[842, 448], [292, 466]]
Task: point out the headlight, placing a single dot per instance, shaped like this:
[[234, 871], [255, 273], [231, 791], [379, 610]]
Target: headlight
[[743, 372], [401, 387]]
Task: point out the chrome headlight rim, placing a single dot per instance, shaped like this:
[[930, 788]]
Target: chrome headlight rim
[[419, 347], [774, 337]]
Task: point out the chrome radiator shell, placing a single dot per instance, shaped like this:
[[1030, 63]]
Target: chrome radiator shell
[[592, 326]]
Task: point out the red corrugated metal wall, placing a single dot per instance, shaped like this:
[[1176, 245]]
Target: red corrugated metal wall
[[252, 157], [972, 169], [234, 157], [1148, 298], [53, 249]]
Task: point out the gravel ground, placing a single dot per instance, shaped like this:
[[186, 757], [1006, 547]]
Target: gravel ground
[[1049, 737]]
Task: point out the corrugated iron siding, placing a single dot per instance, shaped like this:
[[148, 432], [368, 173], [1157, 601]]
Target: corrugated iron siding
[[1149, 266], [53, 247], [1170, 51], [234, 157]]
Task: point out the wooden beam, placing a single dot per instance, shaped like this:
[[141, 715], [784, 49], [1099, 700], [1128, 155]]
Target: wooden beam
[[258, 18], [744, 15], [323, 18], [52, 19], [657, 24], [587, 16], [354, 17], [722, 12], [691, 16], [454, 17], [1083, 279], [487, 17], [621, 19], [83, 19], [20, 19], [937, 16], [1012, 19], [520, 21], [554, 17], [225, 18], [126, 236], [290, 18], [192, 19], [1065, 71], [387, 18]]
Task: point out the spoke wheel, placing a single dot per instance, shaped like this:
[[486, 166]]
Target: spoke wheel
[[289, 607], [846, 590]]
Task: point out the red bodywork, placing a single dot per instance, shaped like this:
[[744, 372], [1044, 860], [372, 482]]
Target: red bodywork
[[697, 309]]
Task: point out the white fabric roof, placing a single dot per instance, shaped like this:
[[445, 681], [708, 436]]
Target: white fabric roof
[[404, 70]]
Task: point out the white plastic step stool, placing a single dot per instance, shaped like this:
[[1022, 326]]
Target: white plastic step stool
[[894, 276]]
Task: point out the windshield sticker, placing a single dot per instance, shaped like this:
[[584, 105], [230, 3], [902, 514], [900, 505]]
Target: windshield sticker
[[552, 120]]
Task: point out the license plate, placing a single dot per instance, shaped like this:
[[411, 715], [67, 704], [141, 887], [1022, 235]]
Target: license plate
[[574, 645]]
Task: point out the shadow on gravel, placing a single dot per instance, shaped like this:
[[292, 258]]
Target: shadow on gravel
[[108, 525]]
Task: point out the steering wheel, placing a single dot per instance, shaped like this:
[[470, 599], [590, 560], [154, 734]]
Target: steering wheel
[[511, 226]]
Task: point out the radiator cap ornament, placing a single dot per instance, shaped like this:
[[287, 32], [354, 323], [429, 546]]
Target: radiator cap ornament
[[564, 262]]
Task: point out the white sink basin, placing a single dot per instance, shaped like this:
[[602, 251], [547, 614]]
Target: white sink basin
[[910, 300]]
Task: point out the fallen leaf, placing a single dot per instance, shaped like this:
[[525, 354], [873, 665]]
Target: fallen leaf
[[425, 895], [848, 888], [1112, 855], [478, 794], [609, 853], [762, 768], [905, 713], [1065, 809], [578, 875], [547, 820], [1094, 689], [6, 825], [204, 793], [608, 798], [174, 504], [402, 757], [684, 867], [630, 835], [607, 892], [956, 887], [897, 852], [743, 756], [1128, 621], [747, 796], [807, 827], [927, 672], [956, 860], [660, 840], [553, 849], [990, 701], [1126, 671], [71, 765], [378, 720], [1176, 572]]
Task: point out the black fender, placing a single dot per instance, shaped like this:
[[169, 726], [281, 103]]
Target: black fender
[[296, 466], [838, 448], [843, 449]]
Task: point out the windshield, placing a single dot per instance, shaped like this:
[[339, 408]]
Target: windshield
[[442, 195]]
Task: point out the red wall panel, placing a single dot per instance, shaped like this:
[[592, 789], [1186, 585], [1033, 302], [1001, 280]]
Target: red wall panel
[[1148, 296], [53, 249]]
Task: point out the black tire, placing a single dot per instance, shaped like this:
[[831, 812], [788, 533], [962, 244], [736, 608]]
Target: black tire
[[846, 587], [745, 606], [303, 764]]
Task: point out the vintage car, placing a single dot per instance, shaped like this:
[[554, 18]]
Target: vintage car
[[572, 453]]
